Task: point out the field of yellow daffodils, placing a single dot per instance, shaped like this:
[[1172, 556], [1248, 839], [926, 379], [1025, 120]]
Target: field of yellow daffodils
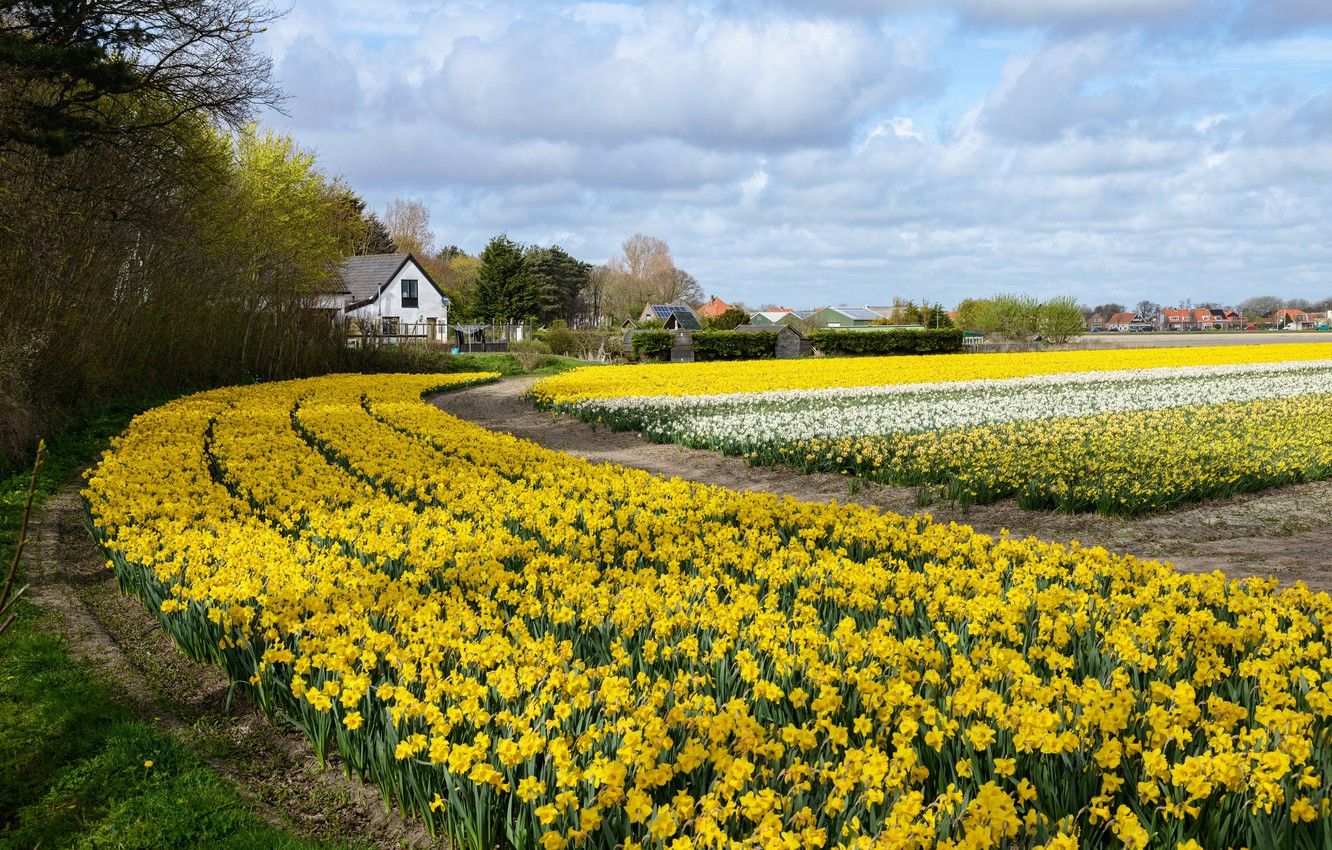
[[529, 650], [756, 376], [1113, 431]]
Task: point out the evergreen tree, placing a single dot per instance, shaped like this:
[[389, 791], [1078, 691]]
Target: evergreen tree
[[505, 292], [559, 279], [936, 317], [377, 238]]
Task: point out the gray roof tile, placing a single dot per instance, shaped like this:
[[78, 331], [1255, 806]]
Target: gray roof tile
[[364, 276]]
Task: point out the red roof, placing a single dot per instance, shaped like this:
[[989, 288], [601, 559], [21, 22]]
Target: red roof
[[713, 308], [1122, 319], [1289, 315]]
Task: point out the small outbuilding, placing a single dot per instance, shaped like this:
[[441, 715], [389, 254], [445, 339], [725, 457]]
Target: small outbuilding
[[683, 315], [791, 343], [682, 349]]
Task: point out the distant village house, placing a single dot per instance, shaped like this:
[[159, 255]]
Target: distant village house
[[1290, 320], [1127, 322], [713, 308]]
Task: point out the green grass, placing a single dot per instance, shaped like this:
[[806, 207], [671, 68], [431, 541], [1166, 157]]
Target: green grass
[[423, 359], [74, 759], [507, 364]]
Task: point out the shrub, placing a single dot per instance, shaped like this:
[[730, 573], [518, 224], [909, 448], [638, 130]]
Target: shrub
[[652, 343], [1060, 319], [562, 339], [413, 358], [733, 318], [729, 345], [884, 342], [530, 354]]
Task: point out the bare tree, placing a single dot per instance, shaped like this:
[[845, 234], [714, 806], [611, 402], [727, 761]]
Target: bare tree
[[644, 274], [687, 289], [1259, 305], [408, 222], [645, 257]]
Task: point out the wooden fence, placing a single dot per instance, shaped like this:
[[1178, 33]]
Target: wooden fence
[[460, 338]]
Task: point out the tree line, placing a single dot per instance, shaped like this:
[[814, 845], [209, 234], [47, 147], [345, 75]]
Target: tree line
[[1021, 318], [152, 239], [1254, 307], [507, 281]]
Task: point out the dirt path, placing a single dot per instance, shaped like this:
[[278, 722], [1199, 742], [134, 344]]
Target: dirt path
[[273, 767], [1283, 533]]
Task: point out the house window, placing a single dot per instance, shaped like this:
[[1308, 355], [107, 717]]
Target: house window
[[409, 293]]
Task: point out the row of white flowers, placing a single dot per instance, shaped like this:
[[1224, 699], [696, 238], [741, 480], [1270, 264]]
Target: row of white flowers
[[746, 420]]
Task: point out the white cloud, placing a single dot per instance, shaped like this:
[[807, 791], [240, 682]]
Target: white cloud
[[753, 186], [765, 81], [804, 154]]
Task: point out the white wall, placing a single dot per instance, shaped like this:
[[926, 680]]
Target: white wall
[[430, 304]]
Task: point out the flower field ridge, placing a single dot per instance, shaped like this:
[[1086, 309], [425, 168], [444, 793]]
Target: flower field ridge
[[740, 421], [1122, 442], [752, 376], [529, 650]]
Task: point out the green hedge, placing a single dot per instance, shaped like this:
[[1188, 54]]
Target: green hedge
[[888, 341], [653, 343], [729, 345]]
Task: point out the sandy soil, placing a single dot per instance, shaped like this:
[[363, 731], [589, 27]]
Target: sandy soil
[[1283, 533], [273, 767]]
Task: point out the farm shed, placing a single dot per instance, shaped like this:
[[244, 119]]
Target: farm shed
[[844, 317], [769, 317], [682, 314], [682, 350], [791, 343]]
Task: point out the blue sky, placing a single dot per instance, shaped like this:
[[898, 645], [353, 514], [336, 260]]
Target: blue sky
[[848, 151]]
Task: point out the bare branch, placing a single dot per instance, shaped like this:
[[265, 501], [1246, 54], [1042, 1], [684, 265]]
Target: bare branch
[[60, 64]]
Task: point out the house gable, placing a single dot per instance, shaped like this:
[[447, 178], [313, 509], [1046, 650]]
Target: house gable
[[366, 277]]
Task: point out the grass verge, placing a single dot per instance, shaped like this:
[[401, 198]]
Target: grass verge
[[507, 364], [78, 766]]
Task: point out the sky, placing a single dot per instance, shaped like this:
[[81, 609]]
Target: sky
[[800, 152]]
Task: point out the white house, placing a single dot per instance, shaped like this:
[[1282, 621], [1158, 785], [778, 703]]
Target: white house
[[393, 293]]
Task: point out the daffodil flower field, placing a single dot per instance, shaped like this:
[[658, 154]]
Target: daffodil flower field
[[754, 376], [529, 650], [1120, 441]]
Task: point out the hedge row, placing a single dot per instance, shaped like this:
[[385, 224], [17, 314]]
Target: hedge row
[[876, 342], [730, 345], [652, 343]]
